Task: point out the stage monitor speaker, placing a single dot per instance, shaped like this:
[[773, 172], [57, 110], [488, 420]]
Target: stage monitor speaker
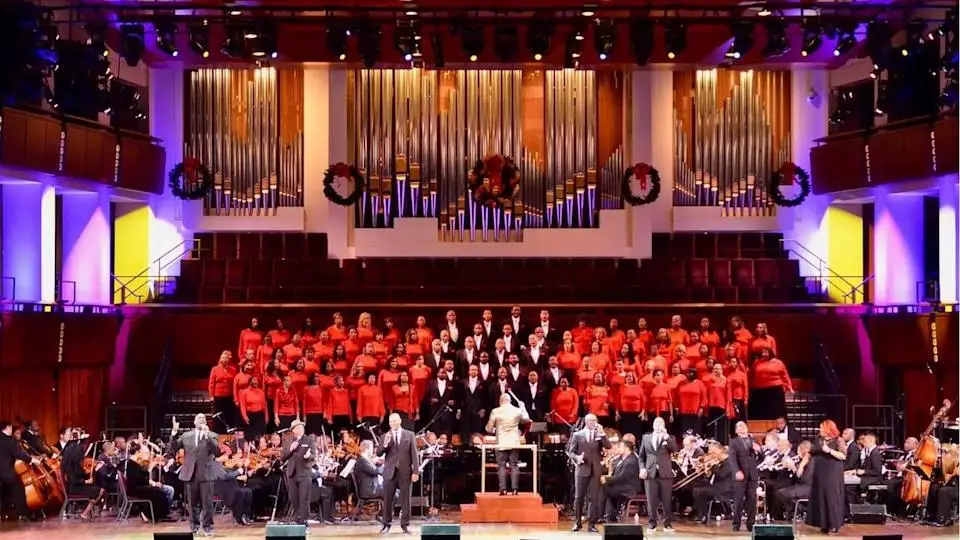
[[772, 531], [440, 531], [623, 531], [873, 514], [172, 536], [883, 537], [284, 531]]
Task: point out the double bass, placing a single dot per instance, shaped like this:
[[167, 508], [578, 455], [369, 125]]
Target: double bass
[[42, 483], [916, 487]]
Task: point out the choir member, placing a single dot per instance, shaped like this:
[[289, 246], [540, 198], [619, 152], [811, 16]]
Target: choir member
[[499, 354], [381, 348], [568, 357], [703, 362], [341, 362], [692, 404], [365, 330], [617, 336], [308, 334], [581, 336], [250, 338], [709, 337], [534, 354], [599, 358], [441, 403], [741, 337], [486, 369], [680, 358], [511, 343], [483, 342], [286, 404], [547, 335], [499, 386], [762, 340], [337, 331], [534, 395], [391, 335], [517, 326], [370, 402], [552, 375], [436, 356], [324, 347], [719, 404], [447, 346], [424, 334], [357, 378], [280, 336], [598, 399], [678, 336], [771, 383], [253, 409], [337, 409], [413, 346], [515, 371], [467, 356], [293, 351], [659, 398], [455, 333], [645, 337], [368, 358], [738, 389], [272, 381], [388, 378], [450, 369], [313, 403], [473, 404], [419, 377], [664, 346], [584, 375], [352, 346], [719, 488], [298, 376], [565, 404], [220, 387], [404, 360], [406, 401], [629, 406], [827, 510], [615, 379], [264, 353]]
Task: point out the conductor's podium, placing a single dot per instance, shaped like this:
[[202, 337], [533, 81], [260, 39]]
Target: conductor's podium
[[522, 508]]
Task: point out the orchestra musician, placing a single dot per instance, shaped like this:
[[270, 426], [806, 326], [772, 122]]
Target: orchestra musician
[[401, 468], [299, 459], [77, 481], [686, 459], [441, 402], [779, 474], [894, 503], [199, 450], [227, 484], [505, 422], [657, 470], [802, 473], [137, 473], [869, 469], [11, 489], [718, 488], [625, 481], [368, 474], [786, 431], [34, 439], [584, 448], [743, 460]]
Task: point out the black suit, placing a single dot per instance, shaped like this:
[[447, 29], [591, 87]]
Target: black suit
[[624, 483], [495, 391], [473, 409], [35, 442], [491, 374], [483, 343], [520, 330], [489, 338], [789, 495], [792, 435], [520, 376], [298, 472], [536, 404], [365, 473], [589, 445], [547, 379], [872, 468], [655, 459], [199, 449], [539, 363], [462, 364], [743, 459], [400, 463], [461, 334], [853, 457], [435, 402], [513, 346], [11, 489]]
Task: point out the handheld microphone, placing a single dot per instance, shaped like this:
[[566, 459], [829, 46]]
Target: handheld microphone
[[217, 415], [284, 430]]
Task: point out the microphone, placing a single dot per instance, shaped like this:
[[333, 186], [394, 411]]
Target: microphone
[[361, 425], [217, 415], [284, 430]]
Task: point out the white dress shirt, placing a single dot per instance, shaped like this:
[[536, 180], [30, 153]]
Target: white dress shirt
[[514, 371], [472, 384], [484, 370], [515, 322], [454, 333], [441, 386], [506, 341], [533, 395]]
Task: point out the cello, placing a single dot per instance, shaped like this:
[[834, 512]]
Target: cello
[[916, 487]]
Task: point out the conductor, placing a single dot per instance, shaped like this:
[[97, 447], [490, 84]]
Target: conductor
[[656, 468], [200, 448], [401, 468], [299, 458], [584, 448], [505, 421]]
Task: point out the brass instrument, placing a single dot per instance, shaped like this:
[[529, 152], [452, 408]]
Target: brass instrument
[[781, 464], [702, 466]]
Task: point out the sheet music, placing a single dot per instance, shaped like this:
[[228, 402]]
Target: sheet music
[[348, 468]]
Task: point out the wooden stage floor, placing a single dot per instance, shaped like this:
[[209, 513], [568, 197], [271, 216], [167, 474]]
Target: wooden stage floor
[[135, 530]]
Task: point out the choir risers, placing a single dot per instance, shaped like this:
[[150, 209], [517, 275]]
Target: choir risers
[[522, 508]]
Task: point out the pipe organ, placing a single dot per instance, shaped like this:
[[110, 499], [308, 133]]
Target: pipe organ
[[416, 133], [732, 131], [246, 127]]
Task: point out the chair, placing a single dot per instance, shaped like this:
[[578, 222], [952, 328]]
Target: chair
[[796, 507], [697, 270], [248, 246], [720, 272], [637, 502], [705, 246], [127, 502], [742, 272], [766, 272], [225, 245], [69, 499], [361, 502], [725, 506]]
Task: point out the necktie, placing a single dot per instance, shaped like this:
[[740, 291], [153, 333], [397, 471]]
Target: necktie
[[197, 442], [396, 435]]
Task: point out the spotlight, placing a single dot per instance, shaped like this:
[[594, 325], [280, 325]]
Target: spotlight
[[471, 41], [404, 40], [777, 42], [812, 37], [742, 40], [337, 41], [539, 37], [199, 38], [265, 45], [436, 44], [235, 45], [846, 40], [764, 11], [95, 38], [589, 10], [131, 43], [641, 40], [368, 43], [506, 43], [166, 31], [878, 43], [675, 37], [571, 53], [605, 38]]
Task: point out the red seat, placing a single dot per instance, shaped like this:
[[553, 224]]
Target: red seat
[[751, 245], [236, 273], [705, 246], [374, 273], [742, 270], [261, 273], [225, 245], [352, 273], [697, 272], [316, 246], [248, 246], [271, 245], [676, 274], [211, 295], [285, 272], [720, 273], [766, 274], [294, 246], [681, 245], [728, 246], [214, 273], [235, 295]]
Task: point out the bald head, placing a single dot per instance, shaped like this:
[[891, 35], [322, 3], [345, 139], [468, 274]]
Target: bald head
[[911, 444], [849, 434]]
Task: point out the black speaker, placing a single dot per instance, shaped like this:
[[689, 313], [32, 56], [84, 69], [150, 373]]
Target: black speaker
[[278, 531], [623, 531], [873, 514], [772, 531], [883, 537], [172, 536], [440, 531]]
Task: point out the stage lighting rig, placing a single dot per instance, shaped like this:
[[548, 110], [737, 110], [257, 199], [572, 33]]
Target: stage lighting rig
[[131, 43], [166, 30], [405, 41], [812, 37], [675, 38], [742, 40], [436, 45], [846, 39], [539, 37], [472, 41], [368, 42], [198, 36], [337, 41], [605, 38], [641, 40], [777, 42], [96, 37]]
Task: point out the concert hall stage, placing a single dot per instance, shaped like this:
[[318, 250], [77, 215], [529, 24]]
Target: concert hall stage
[[108, 530]]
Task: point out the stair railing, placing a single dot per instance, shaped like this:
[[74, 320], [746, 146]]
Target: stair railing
[[826, 277], [858, 289], [161, 263]]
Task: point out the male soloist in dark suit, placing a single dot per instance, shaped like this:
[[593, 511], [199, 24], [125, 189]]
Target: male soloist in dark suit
[[625, 482], [199, 449], [743, 462], [584, 448], [401, 468], [656, 468], [299, 455]]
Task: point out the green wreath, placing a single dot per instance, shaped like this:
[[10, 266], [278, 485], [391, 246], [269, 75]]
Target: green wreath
[[788, 170], [640, 172], [190, 180], [346, 171]]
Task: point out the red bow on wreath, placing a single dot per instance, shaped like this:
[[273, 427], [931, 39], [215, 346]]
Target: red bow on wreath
[[640, 172], [341, 170], [191, 167], [788, 172], [494, 167]]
